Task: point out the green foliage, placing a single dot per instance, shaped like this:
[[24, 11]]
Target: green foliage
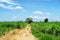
[[42, 30], [46, 31], [46, 20], [29, 20], [47, 37], [7, 26]]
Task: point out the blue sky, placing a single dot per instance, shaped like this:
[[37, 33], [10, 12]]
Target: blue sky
[[19, 10]]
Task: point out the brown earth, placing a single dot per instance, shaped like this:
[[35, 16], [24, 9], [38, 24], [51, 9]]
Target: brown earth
[[19, 34]]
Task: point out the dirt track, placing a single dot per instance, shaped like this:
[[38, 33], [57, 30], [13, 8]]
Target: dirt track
[[19, 34]]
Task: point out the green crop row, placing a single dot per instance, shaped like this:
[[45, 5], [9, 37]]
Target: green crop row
[[7, 26], [46, 31]]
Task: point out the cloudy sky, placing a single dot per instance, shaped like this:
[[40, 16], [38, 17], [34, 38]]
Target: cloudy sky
[[16, 10]]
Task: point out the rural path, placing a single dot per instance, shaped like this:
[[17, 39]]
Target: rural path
[[19, 34]]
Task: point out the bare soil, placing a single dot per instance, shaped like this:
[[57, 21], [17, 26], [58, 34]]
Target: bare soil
[[19, 34]]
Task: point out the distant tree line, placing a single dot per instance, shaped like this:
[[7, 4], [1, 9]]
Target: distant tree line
[[30, 20]]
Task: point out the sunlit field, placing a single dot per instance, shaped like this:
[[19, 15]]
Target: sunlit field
[[7, 26], [29, 19], [46, 31], [41, 30]]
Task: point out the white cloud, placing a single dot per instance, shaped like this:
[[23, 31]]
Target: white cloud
[[8, 1], [11, 5], [56, 19], [37, 12], [35, 17], [18, 7], [4, 6], [42, 13], [38, 17]]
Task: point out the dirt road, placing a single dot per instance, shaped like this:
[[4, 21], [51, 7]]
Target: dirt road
[[19, 34]]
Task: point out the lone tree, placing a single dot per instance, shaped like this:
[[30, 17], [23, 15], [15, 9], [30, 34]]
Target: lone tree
[[29, 20], [46, 20]]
